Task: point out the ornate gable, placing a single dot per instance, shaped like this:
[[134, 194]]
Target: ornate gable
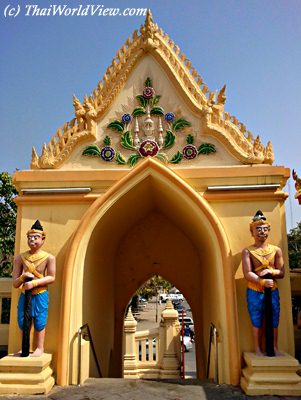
[[165, 133]]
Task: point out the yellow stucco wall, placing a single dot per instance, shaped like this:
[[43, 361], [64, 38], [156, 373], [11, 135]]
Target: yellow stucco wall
[[150, 220]]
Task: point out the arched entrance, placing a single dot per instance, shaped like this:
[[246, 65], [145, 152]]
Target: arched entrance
[[149, 222]]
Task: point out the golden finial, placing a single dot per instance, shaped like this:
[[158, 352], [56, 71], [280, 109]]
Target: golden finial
[[149, 19], [34, 159], [269, 157], [148, 30], [221, 98]]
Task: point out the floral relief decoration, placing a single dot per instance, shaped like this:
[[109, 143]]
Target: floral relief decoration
[[148, 131]]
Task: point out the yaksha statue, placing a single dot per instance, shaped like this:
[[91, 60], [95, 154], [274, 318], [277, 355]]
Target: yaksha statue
[[33, 271], [262, 266]]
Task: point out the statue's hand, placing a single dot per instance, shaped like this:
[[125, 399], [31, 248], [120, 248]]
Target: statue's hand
[[268, 283], [28, 285], [264, 272], [27, 274]]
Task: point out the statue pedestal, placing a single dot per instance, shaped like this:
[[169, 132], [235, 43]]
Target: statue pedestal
[[26, 375], [270, 375]]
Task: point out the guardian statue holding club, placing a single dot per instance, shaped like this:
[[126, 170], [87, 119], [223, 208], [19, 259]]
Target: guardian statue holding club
[[33, 271], [263, 266]]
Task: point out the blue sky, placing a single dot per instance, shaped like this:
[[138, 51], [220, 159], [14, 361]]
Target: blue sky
[[253, 46]]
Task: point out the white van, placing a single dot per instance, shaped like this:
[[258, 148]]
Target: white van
[[187, 321], [172, 296]]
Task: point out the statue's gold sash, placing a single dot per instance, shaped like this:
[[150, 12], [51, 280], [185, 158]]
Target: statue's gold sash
[[264, 256], [31, 262]]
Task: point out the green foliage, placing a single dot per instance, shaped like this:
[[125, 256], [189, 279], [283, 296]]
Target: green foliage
[[126, 141], [169, 140], [155, 99], [8, 215], [294, 247], [150, 287], [116, 125], [148, 82], [176, 158], [206, 148], [138, 111], [142, 100], [133, 159], [189, 139], [107, 141], [180, 124], [162, 157], [157, 111], [92, 151], [120, 159]]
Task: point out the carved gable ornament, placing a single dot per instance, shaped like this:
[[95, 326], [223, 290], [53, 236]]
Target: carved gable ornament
[[150, 128]]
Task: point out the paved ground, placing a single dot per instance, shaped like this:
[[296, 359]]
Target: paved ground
[[124, 389]]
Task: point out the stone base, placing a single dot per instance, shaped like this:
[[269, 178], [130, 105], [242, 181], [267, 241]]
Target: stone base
[[26, 375], [271, 375]]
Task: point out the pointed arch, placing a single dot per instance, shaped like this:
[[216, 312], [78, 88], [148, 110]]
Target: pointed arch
[[190, 212]]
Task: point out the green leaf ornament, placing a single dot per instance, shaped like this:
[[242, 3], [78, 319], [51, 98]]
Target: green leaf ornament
[[206, 148], [180, 124], [107, 141], [126, 141], [169, 139], [176, 158], [142, 100], [157, 111], [162, 157], [92, 151], [120, 159], [116, 125], [138, 111], [148, 82], [189, 139], [133, 159], [155, 99]]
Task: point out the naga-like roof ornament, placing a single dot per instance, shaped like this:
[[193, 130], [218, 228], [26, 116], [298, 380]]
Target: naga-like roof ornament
[[297, 186], [151, 39]]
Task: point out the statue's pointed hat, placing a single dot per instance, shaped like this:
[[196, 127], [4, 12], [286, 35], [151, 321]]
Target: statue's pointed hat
[[259, 216], [37, 228], [259, 219]]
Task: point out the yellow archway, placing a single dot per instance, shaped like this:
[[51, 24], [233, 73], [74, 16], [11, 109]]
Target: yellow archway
[[128, 202]]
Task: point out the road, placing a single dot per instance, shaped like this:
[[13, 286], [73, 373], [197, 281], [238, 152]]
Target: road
[[150, 317]]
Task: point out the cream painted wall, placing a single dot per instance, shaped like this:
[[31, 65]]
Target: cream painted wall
[[188, 224]]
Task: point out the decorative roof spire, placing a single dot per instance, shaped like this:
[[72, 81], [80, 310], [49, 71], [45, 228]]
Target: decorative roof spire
[[148, 31], [149, 22]]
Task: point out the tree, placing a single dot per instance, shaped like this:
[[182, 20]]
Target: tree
[[151, 287], [8, 214], [294, 247]]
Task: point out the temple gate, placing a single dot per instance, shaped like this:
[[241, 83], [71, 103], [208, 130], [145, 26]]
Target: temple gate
[[151, 176]]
